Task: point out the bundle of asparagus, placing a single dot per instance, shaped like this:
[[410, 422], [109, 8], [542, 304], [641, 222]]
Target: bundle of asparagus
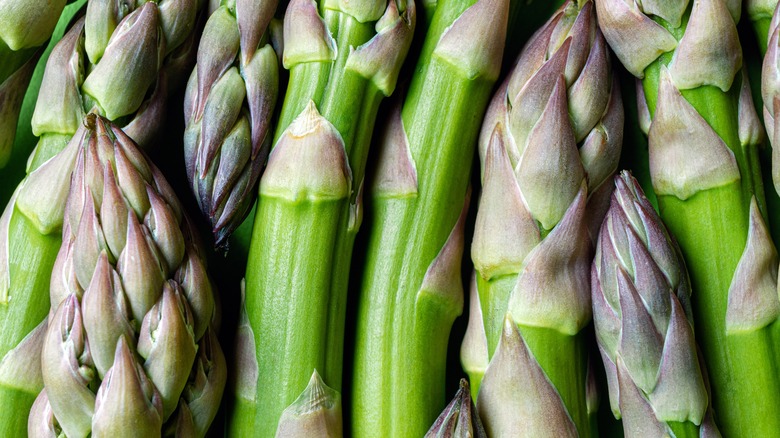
[[703, 137], [109, 322], [116, 61]]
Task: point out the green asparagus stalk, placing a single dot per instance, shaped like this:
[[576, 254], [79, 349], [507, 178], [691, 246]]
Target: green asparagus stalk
[[554, 126], [761, 14], [459, 419], [705, 172], [412, 291], [25, 26], [230, 99], [642, 315], [342, 63], [131, 338], [108, 66], [770, 91]]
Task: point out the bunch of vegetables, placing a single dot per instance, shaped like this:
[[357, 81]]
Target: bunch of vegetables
[[257, 218]]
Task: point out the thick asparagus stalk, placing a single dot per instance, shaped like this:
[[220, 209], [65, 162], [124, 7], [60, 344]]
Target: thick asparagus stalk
[[24, 27], [412, 291], [555, 126], [131, 337], [105, 65], [230, 99], [642, 310], [705, 172], [341, 65]]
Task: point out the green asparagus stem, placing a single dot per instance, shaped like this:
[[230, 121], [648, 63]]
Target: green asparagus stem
[[343, 59], [705, 172], [761, 14], [555, 126], [642, 310], [228, 107], [131, 337], [412, 291]]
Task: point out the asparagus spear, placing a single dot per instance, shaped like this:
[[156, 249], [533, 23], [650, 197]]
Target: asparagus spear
[[341, 65], [24, 27], [101, 64], [554, 126], [705, 172], [642, 314], [316, 412], [132, 306], [459, 418], [412, 291], [228, 107]]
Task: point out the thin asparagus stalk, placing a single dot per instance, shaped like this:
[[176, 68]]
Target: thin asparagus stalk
[[230, 99], [101, 64], [705, 172], [131, 336], [761, 14], [25, 26], [642, 310], [555, 126], [342, 63], [412, 291]]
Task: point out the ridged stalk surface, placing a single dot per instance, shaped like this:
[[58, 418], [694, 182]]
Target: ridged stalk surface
[[343, 58], [411, 285]]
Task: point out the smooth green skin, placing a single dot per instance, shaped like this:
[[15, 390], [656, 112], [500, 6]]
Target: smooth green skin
[[31, 259], [289, 274], [761, 27], [14, 171], [711, 228], [402, 332]]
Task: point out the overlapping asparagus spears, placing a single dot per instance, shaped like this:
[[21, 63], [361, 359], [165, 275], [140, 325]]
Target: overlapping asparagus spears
[[24, 27], [549, 144], [705, 172], [118, 69], [130, 339], [343, 57], [411, 291], [642, 314], [230, 99]]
